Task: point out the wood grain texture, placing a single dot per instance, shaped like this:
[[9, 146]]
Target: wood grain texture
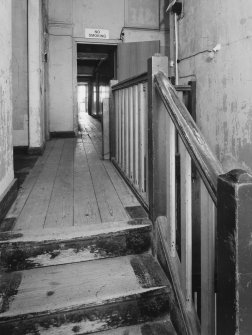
[[110, 206], [124, 193], [86, 209], [71, 286], [60, 211], [34, 212], [29, 182]]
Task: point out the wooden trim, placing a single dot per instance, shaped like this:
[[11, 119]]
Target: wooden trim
[[36, 150], [208, 166], [131, 185], [130, 81], [62, 134], [188, 323], [7, 198], [234, 212]]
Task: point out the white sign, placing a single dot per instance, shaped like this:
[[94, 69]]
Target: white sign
[[97, 33]]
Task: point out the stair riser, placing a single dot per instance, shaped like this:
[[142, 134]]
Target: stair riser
[[21, 256], [123, 312]]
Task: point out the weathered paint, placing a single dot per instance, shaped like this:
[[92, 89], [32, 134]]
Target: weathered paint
[[234, 272], [224, 99], [67, 22], [6, 155], [129, 238], [20, 73], [104, 294], [36, 74]]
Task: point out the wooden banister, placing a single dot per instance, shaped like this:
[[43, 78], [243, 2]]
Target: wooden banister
[[174, 172], [207, 165]]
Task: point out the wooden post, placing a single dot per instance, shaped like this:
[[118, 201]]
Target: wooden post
[[105, 129], [156, 139], [234, 275], [113, 117]]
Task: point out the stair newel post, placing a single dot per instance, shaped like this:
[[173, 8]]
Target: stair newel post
[[112, 121], [234, 270], [156, 139]]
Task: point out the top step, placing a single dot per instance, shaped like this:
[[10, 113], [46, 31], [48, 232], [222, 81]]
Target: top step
[[22, 250]]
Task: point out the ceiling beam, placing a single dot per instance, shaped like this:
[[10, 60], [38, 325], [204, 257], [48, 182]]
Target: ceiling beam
[[91, 56]]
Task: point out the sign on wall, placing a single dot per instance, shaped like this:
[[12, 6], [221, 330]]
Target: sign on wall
[[100, 34], [142, 13]]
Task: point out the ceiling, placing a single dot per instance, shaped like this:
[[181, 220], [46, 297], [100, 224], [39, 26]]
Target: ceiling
[[95, 62]]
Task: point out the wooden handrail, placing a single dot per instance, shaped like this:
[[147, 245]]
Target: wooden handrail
[[208, 166], [130, 82]]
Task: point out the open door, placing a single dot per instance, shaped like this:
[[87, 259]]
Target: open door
[[132, 58]]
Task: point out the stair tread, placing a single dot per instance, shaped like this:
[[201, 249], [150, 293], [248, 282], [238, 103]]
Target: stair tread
[[150, 328], [70, 233], [32, 249], [70, 286]]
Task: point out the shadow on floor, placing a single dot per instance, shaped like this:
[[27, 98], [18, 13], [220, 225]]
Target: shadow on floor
[[23, 163]]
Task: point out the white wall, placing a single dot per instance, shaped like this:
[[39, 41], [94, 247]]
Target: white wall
[[20, 73], [67, 22], [224, 99], [60, 83], [6, 156]]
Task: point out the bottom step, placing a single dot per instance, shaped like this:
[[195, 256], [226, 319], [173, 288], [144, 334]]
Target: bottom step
[[150, 328], [83, 298]]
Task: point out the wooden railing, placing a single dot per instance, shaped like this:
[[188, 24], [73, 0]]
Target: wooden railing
[[131, 133], [186, 140], [162, 153]]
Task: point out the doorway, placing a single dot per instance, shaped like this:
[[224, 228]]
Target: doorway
[[96, 66]]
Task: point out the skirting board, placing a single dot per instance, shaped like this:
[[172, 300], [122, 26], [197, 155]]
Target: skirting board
[[7, 199], [62, 134]]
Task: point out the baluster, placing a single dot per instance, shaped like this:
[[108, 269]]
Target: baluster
[[136, 135], [120, 129], [208, 218], [123, 131], [171, 186], [146, 165], [141, 138], [186, 222], [116, 96], [131, 139], [126, 130]]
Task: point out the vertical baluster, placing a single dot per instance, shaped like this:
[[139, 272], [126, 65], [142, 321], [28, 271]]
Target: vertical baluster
[[131, 140], [120, 128], [126, 131], [141, 138], [116, 98], [186, 222], [136, 135], [146, 164], [208, 218], [123, 131], [171, 186]]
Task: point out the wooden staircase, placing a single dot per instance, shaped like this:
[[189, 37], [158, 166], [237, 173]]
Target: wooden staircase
[[95, 279]]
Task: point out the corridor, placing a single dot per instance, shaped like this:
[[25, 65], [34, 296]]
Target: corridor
[[71, 185], [77, 260]]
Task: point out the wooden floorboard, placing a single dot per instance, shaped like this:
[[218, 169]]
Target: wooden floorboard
[[124, 193], [60, 211], [29, 182], [71, 185], [34, 212], [86, 209], [110, 206]]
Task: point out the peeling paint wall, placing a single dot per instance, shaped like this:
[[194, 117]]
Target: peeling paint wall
[[20, 73], [224, 99], [67, 22], [36, 74], [6, 156]]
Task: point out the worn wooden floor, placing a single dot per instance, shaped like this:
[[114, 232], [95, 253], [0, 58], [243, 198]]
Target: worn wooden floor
[[71, 185]]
